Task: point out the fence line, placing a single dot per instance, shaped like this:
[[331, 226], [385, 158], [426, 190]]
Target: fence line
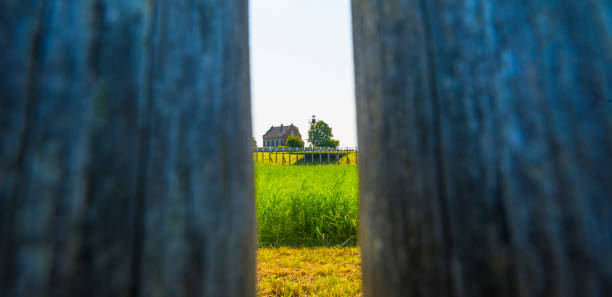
[[306, 155]]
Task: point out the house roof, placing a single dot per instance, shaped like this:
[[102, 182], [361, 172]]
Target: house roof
[[281, 131]]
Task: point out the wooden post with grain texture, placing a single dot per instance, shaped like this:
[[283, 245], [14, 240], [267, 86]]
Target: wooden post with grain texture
[[485, 131], [125, 166]]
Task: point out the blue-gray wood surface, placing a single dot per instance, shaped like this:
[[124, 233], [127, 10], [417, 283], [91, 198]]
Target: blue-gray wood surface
[[125, 153], [124, 149], [503, 185]]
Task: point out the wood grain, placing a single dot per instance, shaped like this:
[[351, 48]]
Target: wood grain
[[501, 113], [119, 122]]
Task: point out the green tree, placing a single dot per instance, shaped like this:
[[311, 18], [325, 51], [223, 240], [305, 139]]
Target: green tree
[[295, 141], [254, 141], [320, 134]]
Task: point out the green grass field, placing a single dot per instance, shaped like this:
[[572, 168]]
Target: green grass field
[[306, 205], [314, 210]]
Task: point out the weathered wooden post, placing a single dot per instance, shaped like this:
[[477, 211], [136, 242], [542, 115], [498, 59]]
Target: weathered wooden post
[[485, 132], [347, 156], [124, 149]]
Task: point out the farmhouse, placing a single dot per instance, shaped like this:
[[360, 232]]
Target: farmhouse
[[277, 136]]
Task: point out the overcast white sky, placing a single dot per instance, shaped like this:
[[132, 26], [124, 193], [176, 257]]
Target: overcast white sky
[[302, 64]]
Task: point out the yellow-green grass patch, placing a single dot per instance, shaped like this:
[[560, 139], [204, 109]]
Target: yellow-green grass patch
[[301, 158], [321, 271]]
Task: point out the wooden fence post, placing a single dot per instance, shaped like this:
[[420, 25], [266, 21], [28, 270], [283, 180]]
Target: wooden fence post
[[347, 156], [486, 147], [125, 152]]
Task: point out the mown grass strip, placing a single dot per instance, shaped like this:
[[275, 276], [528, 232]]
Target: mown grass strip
[[321, 271]]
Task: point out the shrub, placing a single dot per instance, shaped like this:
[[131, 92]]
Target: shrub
[[331, 143], [294, 141]]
